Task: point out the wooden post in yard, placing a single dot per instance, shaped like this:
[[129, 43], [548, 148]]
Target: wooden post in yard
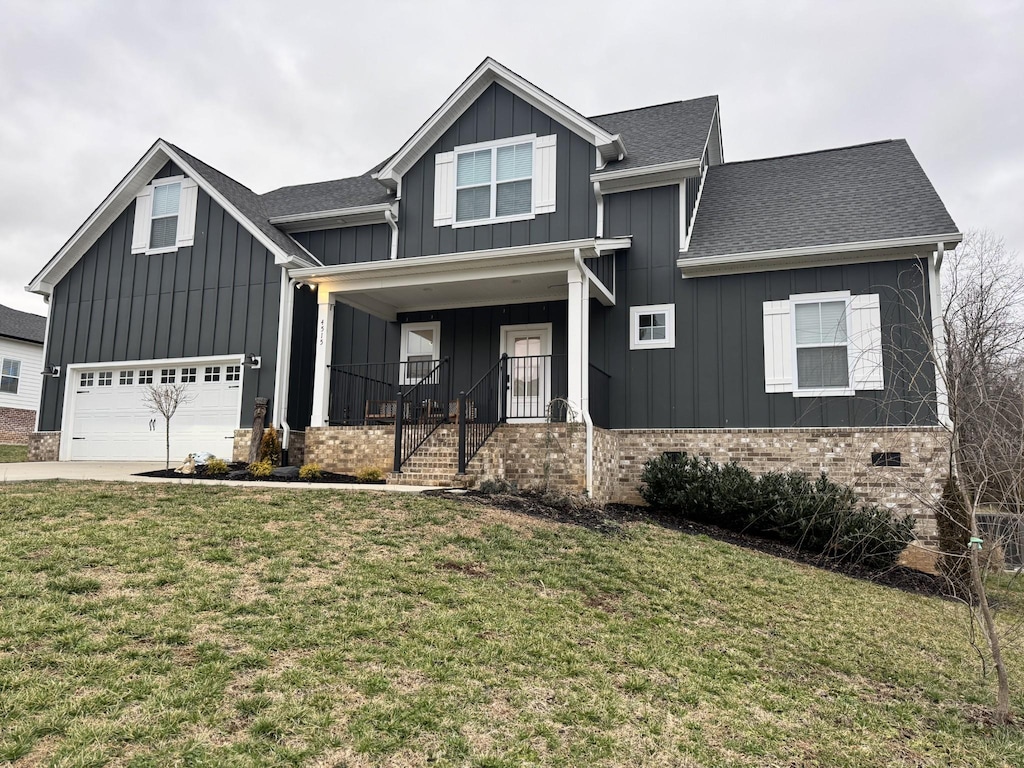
[[259, 413]]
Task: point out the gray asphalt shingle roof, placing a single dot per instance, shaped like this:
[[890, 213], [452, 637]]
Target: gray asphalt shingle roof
[[661, 134], [244, 199], [25, 326], [325, 196], [851, 194]]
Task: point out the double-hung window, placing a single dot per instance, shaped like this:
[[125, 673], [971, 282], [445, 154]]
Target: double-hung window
[[494, 182], [10, 375], [822, 338], [164, 220], [165, 215]]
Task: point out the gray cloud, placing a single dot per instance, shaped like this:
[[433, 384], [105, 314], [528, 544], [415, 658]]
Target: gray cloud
[[280, 93]]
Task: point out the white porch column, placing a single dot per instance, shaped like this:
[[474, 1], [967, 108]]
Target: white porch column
[[578, 341], [324, 346]]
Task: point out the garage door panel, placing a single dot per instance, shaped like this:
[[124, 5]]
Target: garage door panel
[[113, 422]]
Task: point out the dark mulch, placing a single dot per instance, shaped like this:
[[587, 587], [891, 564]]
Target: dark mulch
[[610, 518], [238, 472]]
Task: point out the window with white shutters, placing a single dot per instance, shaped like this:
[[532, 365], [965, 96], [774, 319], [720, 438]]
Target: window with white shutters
[[165, 216]]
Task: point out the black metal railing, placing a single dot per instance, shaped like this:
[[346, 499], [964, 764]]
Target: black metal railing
[[600, 402], [364, 394], [424, 406], [481, 408], [536, 387]]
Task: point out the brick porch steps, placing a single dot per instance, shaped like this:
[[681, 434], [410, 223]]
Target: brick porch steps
[[435, 463]]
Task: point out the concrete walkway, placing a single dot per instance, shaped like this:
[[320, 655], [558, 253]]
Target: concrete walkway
[[124, 471]]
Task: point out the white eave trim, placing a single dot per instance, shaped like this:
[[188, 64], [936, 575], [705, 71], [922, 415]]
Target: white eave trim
[[333, 219], [520, 254], [647, 170], [812, 255], [122, 195], [610, 145]]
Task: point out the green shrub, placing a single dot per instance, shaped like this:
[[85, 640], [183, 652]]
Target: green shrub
[[953, 520], [216, 466], [270, 447], [370, 475], [822, 517], [261, 468], [310, 472]]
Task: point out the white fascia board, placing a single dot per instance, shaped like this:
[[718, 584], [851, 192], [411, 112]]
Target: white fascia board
[[488, 72], [126, 190], [646, 170], [334, 219], [808, 256]]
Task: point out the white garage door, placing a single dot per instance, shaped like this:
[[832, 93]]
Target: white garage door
[[110, 420]]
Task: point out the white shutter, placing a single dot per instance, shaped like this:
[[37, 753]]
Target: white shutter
[[143, 214], [778, 347], [187, 213], [544, 161], [444, 188], [866, 342]]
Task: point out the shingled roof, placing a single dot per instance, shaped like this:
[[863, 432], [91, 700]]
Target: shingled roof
[[25, 326], [325, 196], [856, 194], [661, 134]]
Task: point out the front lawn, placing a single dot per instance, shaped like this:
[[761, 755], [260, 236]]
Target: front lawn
[[152, 625], [12, 453]]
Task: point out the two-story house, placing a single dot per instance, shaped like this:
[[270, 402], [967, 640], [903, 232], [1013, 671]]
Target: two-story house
[[518, 290]]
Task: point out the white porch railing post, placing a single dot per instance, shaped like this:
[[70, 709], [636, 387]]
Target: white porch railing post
[[578, 331], [321, 366]]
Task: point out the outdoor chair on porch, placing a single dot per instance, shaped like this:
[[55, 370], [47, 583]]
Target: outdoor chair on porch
[[382, 411], [453, 411]]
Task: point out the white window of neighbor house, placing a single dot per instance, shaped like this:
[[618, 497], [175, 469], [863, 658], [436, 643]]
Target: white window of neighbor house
[[821, 341], [10, 375], [420, 350], [652, 326]]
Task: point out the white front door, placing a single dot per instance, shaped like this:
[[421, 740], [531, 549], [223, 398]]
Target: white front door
[[529, 371]]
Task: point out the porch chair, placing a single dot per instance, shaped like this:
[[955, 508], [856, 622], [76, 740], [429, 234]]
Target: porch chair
[[453, 411]]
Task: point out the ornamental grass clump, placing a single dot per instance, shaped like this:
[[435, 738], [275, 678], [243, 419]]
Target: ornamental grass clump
[[261, 469], [310, 472], [819, 516]]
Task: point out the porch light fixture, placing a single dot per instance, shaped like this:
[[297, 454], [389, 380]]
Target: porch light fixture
[[53, 371], [252, 361]]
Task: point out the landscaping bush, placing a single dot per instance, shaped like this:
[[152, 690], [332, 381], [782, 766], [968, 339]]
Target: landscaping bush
[[492, 486], [261, 468], [822, 516], [270, 447], [370, 475], [953, 520], [310, 472], [216, 466]]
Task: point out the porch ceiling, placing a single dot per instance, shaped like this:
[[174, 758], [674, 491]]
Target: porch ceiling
[[479, 278]]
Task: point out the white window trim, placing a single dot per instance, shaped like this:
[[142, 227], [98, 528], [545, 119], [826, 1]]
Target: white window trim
[[161, 183], [530, 139], [17, 379], [435, 326], [669, 342], [817, 298]]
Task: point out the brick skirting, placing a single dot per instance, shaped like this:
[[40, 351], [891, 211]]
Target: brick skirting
[[44, 446], [16, 424], [349, 450]]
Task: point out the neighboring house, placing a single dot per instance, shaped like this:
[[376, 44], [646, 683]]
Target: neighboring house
[[776, 311], [21, 363]]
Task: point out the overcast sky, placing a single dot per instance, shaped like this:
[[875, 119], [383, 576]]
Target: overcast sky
[[283, 93]]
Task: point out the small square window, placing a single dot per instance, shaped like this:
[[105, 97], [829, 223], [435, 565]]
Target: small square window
[[167, 375], [212, 373], [125, 378], [188, 375], [106, 378], [146, 377], [652, 326], [233, 373], [86, 379]]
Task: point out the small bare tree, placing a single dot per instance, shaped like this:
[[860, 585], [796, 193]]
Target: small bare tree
[[165, 399]]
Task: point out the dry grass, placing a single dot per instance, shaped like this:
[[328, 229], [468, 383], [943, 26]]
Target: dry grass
[[191, 625]]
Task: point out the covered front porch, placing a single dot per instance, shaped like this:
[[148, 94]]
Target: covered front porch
[[470, 340]]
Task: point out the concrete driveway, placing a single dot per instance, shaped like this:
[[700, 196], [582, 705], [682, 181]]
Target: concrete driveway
[[124, 471]]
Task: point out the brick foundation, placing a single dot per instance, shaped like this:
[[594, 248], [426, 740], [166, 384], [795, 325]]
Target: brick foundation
[[844, 453], [296, 446], [16, 424], [535, 456], [350, 449], [44, 446]]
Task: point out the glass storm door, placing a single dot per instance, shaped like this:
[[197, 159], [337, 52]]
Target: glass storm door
[[529, 372]]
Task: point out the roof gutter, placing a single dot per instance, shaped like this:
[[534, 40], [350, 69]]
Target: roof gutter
[[782, 258], [647, 170], [354, 216]]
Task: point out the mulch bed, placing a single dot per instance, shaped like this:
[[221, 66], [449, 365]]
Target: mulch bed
[[611, 517], [239, 467]]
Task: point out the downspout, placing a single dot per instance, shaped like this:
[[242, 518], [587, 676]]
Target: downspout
[[585, 396], [938, 336], [46, 363], [284, 348], [392, 220]]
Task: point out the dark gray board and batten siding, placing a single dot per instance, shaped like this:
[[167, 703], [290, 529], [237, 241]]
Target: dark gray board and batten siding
[[715, 375], [498, 114], [218, 297]]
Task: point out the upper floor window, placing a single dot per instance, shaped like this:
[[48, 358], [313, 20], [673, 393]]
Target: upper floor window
[[165, 216], [495, 181], [10, 375]]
